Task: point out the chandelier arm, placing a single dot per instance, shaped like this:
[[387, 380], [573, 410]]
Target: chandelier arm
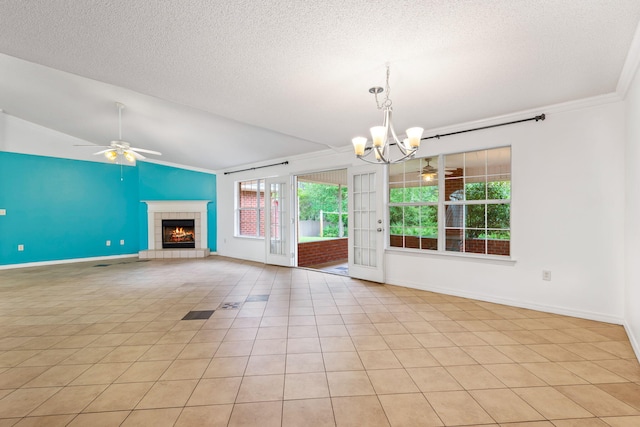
[[376, 162], [409, 155], [382, 154], [399, 143], [381, 157]]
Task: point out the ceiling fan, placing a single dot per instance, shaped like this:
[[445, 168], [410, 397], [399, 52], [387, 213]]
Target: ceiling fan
[[122, 148], [429, 173]]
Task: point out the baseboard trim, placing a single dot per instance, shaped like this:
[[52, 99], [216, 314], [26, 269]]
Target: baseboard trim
[[600, 317], [66, 261], [632, 339]]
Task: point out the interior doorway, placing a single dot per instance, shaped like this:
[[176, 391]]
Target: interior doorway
[[322, 221]]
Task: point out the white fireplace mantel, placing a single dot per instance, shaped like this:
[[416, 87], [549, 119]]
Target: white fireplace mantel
[[179, 208]]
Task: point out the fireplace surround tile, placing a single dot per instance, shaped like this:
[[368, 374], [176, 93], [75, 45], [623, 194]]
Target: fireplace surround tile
[[177, 209]]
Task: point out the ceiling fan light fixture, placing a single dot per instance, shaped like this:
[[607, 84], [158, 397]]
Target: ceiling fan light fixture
[[428, 177], [111, 155], [129, 156]]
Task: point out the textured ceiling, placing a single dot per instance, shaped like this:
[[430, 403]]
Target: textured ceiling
[[220, 84]]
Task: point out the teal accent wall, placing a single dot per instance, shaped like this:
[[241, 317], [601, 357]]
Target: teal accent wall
[[67, 209], [159, 182]]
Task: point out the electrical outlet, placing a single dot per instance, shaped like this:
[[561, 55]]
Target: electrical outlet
[[3, 212], [108, 242], [546, 275], [20, 248], [121, 242]]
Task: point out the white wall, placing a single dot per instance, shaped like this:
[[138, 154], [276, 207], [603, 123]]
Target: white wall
[[20, 136], [254, 249], [567, 217], [632, 215]]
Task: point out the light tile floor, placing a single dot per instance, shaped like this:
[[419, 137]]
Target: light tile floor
[[83, 345]]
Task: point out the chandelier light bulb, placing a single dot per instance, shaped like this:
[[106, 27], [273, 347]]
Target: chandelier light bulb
[[414, 135], [378, 151], [359, 142], [378, 134]]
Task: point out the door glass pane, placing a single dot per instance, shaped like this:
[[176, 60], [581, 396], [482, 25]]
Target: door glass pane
[[276, 226], [357, 184], [365, 219]]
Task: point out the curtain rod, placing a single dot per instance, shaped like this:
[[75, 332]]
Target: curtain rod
[[536, 118], [258, 167]]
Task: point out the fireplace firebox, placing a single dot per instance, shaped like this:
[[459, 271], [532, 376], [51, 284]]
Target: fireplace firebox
[[178, 233]]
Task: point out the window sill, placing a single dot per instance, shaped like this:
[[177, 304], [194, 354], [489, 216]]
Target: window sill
[[491, 259], [250, 237]]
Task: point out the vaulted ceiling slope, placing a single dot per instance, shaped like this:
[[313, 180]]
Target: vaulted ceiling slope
[[220, 84]]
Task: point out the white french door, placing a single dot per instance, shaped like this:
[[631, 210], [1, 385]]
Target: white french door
[[366, 222], [277, 223]]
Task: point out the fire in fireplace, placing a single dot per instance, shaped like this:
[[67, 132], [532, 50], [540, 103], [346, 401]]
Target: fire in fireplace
[[178, 233]]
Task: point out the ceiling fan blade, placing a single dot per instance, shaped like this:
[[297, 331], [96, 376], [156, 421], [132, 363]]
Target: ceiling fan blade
[[102, 152], [89, 145], [142, 150]]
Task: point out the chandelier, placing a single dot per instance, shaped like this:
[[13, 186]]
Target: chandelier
[[383, 137]]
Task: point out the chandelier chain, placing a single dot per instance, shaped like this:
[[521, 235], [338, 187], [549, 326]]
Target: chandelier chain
[[386, 103]]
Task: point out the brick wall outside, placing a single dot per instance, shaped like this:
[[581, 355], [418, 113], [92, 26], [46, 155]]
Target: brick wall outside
[[494, 247], [248, 218], [322, 252], [413, 242]]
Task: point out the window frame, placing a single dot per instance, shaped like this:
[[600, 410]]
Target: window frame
[[259, 210], [442, 205]]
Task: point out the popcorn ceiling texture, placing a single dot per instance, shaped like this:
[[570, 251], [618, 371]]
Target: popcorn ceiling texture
[[282, 70]]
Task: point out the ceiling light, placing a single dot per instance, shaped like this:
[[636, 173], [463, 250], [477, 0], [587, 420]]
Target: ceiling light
[[383, 137], [111, 154], [129, 156]]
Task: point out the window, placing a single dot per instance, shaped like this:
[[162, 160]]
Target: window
[[413, 204], [250, 201], [465, 206]]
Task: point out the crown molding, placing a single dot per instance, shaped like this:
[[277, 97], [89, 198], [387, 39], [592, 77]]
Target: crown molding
[[631, 64], [179, 166]]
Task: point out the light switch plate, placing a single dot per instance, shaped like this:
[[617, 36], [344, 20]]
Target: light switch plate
[[3, 212]]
